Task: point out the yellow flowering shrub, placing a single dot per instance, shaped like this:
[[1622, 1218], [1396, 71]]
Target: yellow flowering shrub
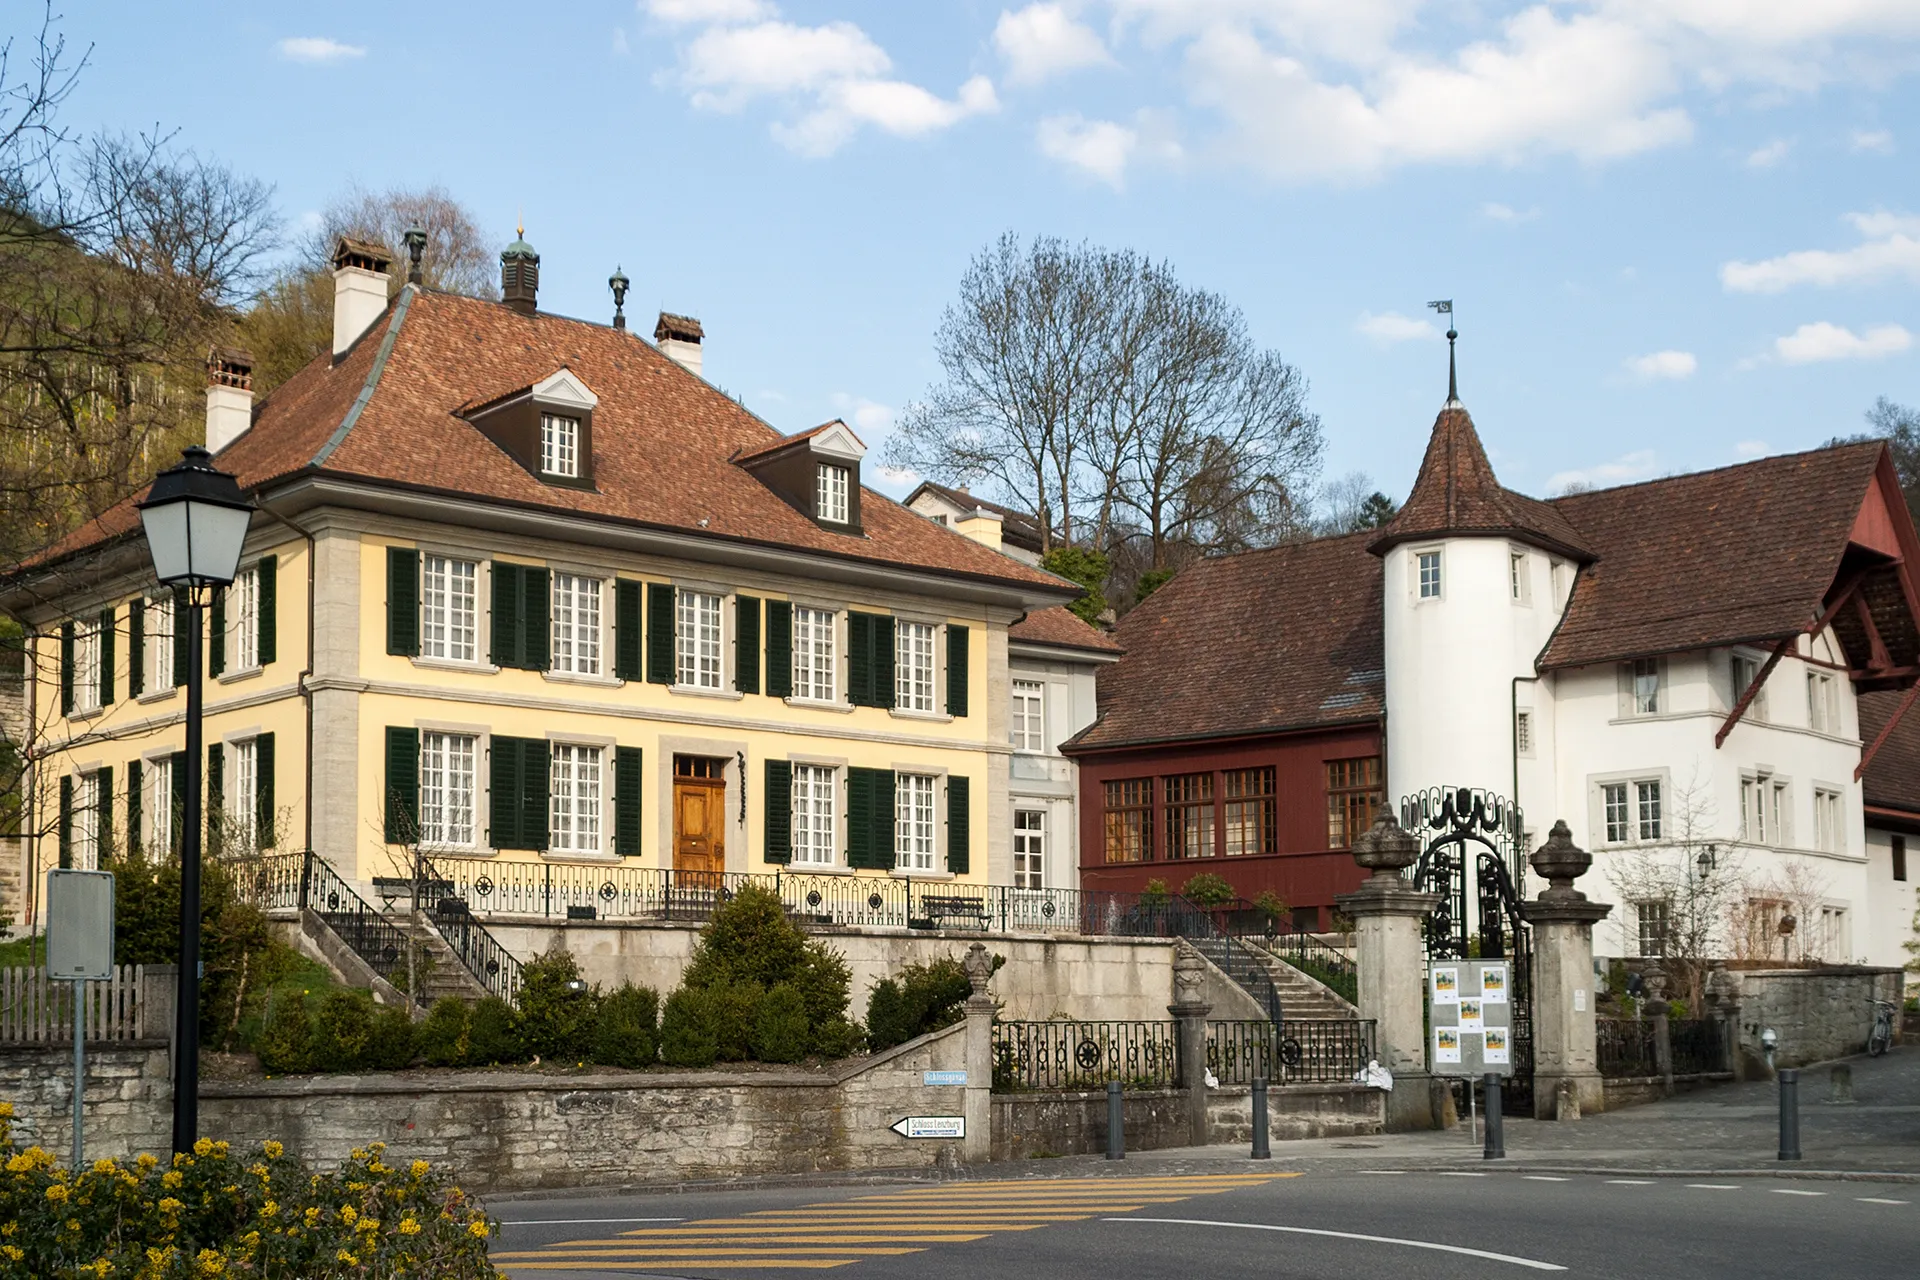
[[216, 1214]]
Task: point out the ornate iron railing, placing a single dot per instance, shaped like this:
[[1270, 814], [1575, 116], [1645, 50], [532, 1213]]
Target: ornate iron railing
[[1293, 1052], [368, 934], [1331, 967], [478, 950], [1625, 1047], [1084, 1055], [1233, 958], [1699, 1046], [270, 880]]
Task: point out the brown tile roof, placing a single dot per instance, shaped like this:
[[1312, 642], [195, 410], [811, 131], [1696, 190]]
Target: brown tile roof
[[1063, 628], [1016, 527], [1740, 554], [1892, 780], [1457, 495], [663, 438], [782, 442], [1264, 641]]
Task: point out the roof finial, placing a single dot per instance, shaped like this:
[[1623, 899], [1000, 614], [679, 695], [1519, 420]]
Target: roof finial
[[1445, 307]]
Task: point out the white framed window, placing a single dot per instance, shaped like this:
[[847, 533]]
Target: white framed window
[[1823, 704], [157, 776], [1654, 918], [447, 788], [560, 445], [913, 666], [1029, 715], [1646, 810], [1631, 811], [449, 608], [913, 821], [158, 621], [85, 828], [573, 806], [1613, 797], [830, 492], [1523, 732], [696, 639], [243, 621], [813, 654], [813, 810], [1828, 809], [1742, 671], [1764, 810], [1517, 577], [1835, 939], [576, 624], [1642, 677], [1029, 848], [243, 804], [1427, 568], [86, 666]]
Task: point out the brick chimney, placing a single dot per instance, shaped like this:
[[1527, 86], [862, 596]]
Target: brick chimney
[[359, 290], [679, 340], [229, 396], [520, 275]]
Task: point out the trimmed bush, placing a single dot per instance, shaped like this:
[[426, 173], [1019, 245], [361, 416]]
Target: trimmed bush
[[393, 1039], [557, 1009], [343, 1031], [923, 997], [888, 1021], [733, 1009], [286, 1042], [749, 947], [443, 1036], [686, 1029], [1208, 890], [839, 1038], [780, 1030], [493, 1034], [628, 1034]]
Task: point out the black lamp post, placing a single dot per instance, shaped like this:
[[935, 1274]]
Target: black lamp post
[[195, 520]]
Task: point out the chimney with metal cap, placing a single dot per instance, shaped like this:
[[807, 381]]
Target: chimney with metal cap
[[520, 275], [679, 340], [229, 396], [359, 290]]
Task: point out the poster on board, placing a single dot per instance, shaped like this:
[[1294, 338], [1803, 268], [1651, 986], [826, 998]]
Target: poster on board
[[1446, 985], [1471, 1017], [1493, 1050], [1493, 984], [1446, 1044]]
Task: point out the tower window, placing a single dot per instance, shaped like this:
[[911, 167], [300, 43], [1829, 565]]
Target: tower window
[[1429, 568]]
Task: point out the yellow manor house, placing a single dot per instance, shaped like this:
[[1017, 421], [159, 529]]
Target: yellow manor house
[[527, 594]]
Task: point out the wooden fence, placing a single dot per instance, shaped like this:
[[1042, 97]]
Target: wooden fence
[[34, 1010]]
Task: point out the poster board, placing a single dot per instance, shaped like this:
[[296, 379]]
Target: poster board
[[1470, 1011]]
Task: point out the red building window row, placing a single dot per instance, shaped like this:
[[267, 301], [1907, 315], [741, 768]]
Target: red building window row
[[1232, 811]]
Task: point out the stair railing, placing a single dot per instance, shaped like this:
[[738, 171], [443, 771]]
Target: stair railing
[[450, 916], [369, 934]]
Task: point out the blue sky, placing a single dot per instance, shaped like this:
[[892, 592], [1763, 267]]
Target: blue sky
[[1678, 232]]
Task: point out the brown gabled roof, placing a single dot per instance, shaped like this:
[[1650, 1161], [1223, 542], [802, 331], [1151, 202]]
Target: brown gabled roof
[[1741, 554], [1456, 495], [1264, 641], [785, 442], [1062, 628], [1017, 527], [663, 438], [1892, 780]]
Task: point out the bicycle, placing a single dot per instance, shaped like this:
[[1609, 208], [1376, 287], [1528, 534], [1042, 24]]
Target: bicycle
[[1880, 1039]]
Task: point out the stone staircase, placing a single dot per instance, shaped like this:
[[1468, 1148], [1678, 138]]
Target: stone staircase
[[1304, 998]]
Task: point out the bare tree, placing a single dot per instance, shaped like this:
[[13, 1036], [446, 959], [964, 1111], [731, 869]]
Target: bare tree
[[1683, 890], [459, 257]]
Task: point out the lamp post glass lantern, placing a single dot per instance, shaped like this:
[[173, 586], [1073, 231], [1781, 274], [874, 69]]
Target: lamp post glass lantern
[[195, 519]]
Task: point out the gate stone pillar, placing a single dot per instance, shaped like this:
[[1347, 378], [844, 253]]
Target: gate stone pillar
[[1563, 1003], [1657, 1011], [1190, 1031], [1723, 1006], [1388, 914], [977, 1146]]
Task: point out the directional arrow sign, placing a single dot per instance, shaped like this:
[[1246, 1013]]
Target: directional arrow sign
[[930, 1126]]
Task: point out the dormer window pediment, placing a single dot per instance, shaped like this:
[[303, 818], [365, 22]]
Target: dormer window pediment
[[817, 473], [546, 427]]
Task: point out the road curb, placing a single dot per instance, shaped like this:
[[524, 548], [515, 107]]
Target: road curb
[[1614, 1171]]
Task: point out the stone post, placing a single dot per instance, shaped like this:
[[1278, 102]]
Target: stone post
[[1190, 1031], [977, 1146], [156, 1004], [1391, 956], [1723, 1005], [1655, 1008], [1564, 1052]]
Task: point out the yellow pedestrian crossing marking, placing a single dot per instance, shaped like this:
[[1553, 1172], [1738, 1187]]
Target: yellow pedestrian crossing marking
[[838, 1233]]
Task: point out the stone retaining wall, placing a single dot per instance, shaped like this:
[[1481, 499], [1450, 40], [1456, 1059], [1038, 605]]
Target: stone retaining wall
[[1819, 1014], [1036, 1125]]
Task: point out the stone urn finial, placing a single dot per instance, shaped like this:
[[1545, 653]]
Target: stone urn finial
[[1386, 849], [1560, 861], [979, 968]]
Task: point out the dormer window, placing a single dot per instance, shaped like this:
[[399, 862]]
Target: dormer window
[[560, 445], [830, 493]]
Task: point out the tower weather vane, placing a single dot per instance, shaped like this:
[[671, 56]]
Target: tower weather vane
[[1444, 306]]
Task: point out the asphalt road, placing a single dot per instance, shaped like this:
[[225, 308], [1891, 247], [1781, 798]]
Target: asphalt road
[[1254, 1220]]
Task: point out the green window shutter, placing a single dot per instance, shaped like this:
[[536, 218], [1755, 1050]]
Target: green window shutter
[[103, 823], [217, 634], [860, 817], [134, 815], [870, 660], [106, 657], [179, 638], [536, 780], [216, 798], [536, 618], [66, 672], [956, 669], [626, 801], [503, 793], [403, 601], [506, 615], [264, 811], [777, 796], [660, 624], [959, 825], [267, 637], [66, 821], [403, 785], [628, 634], [178, 772], [746, 644], [779, 649], [136, 646]]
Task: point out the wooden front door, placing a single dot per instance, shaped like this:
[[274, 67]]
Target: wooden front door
[[699, 816]]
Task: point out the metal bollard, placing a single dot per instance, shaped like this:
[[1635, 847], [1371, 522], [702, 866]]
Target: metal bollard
[[1116, 1123], [1789, 1113], [1496, 1126], [1261, 1151]]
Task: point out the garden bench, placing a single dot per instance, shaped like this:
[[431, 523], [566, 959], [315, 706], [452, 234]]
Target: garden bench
[[391, 888], [938, 907]]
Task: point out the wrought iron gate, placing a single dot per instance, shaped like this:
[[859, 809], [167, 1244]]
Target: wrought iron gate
[[1473, 854]]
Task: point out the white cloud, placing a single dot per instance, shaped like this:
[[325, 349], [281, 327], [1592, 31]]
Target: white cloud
[[706, 11], [1821, 341], [1638, 465], [1391, 326], [1770, 155], [1498, 212], [1100, 148], [867, 417], [1667, 366], [1877, 140], [1891, 250], [318, 49], [1748, 450], [1042, 41]]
